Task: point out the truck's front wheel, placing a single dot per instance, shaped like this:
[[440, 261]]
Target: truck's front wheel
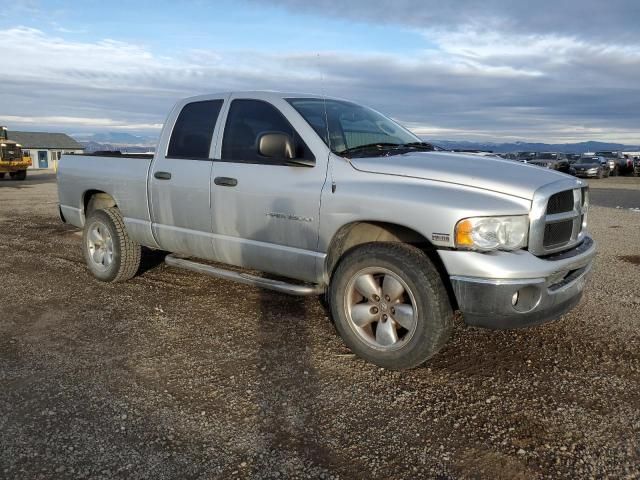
[[111, 255], [389, 305]]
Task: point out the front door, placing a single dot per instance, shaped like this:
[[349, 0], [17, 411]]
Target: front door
[[179, 180], [43, 160], [266, 212]]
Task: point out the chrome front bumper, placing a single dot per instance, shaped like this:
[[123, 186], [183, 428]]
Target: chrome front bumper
[[515, 301]]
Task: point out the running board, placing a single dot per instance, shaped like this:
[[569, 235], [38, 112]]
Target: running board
[[277, 285]]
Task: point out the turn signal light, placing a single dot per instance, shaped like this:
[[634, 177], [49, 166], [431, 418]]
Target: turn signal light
[[463, 233]]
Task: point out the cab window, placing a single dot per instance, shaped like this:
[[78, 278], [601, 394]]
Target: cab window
[[191, 136], [246, 122]]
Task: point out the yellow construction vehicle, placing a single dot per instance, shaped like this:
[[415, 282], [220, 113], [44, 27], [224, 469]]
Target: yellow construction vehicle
[[12, 159]]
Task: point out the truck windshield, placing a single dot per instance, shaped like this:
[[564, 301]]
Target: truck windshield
[[352, 127]]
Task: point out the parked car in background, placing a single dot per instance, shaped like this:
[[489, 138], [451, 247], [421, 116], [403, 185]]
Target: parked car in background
[[611, 163], [553, 160], [621, 166], [525, 157], [573, 157], [636, 166], [592, 166]]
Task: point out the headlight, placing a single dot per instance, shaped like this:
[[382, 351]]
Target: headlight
[[492, 233], [593, 170]]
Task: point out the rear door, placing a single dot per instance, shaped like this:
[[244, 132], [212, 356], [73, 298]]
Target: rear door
[[180, 176], [266, 212]]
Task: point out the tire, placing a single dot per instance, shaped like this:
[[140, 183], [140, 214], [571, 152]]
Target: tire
[[111, 255], [614, 172], [2, 175], [600, 174], [20, 175], [12, 174], [425, 331]]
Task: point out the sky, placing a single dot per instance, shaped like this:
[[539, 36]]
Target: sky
[[556, 71]]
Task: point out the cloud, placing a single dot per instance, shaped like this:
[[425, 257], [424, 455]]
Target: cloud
[[84, 121], [615, 20], [464, 83]]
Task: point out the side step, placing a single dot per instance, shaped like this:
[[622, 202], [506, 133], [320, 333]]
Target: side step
[[277, 285]]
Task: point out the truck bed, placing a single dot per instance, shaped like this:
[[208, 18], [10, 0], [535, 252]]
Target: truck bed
[[123, 176]]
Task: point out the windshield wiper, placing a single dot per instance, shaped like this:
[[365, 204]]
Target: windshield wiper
[[419, 146], [389, 148], [379, 146]]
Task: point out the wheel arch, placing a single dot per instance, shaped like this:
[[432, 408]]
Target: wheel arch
[[358, 233], [95, 200]]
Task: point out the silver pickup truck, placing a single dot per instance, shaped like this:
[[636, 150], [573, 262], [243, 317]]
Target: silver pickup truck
[[325, 196]]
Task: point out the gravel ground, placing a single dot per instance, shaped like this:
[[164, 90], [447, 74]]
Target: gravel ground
[[177, 375]]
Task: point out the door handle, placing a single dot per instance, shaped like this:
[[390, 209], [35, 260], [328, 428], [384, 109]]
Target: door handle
[[225, 181], [162, 175]]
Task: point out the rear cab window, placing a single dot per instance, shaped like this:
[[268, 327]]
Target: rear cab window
[[193, 130]]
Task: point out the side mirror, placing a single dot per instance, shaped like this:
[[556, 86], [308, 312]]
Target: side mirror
[[280, 145], [276, 145]]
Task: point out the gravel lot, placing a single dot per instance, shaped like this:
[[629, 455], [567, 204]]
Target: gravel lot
[[177, 375]]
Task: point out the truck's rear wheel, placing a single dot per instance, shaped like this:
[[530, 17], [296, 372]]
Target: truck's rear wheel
[[111, 255], [2, 175], [389, 305], [20, 175]]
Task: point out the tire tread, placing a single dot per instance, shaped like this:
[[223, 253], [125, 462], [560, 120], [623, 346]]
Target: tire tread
[[130, 251]]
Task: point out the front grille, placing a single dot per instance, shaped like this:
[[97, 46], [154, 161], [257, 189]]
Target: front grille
[[10, 154], [557, 234], [558, 217], [560, 202]]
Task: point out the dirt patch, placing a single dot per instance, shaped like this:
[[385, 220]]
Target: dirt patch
[[633, 259]]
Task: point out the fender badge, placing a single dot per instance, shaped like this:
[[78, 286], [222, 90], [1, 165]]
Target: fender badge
[[440, 237], [287, 216]]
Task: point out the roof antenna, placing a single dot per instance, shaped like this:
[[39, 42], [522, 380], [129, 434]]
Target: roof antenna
[[324, 101], [326, 123]]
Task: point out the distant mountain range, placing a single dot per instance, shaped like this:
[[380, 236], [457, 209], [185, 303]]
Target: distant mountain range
[[127, 142], [116, 138], [581, 147], [110, 141], [91, 147]]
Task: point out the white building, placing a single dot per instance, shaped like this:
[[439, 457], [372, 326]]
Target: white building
[[45, 149]]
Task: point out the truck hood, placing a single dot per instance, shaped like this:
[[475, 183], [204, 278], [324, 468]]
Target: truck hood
[[495, 174]]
